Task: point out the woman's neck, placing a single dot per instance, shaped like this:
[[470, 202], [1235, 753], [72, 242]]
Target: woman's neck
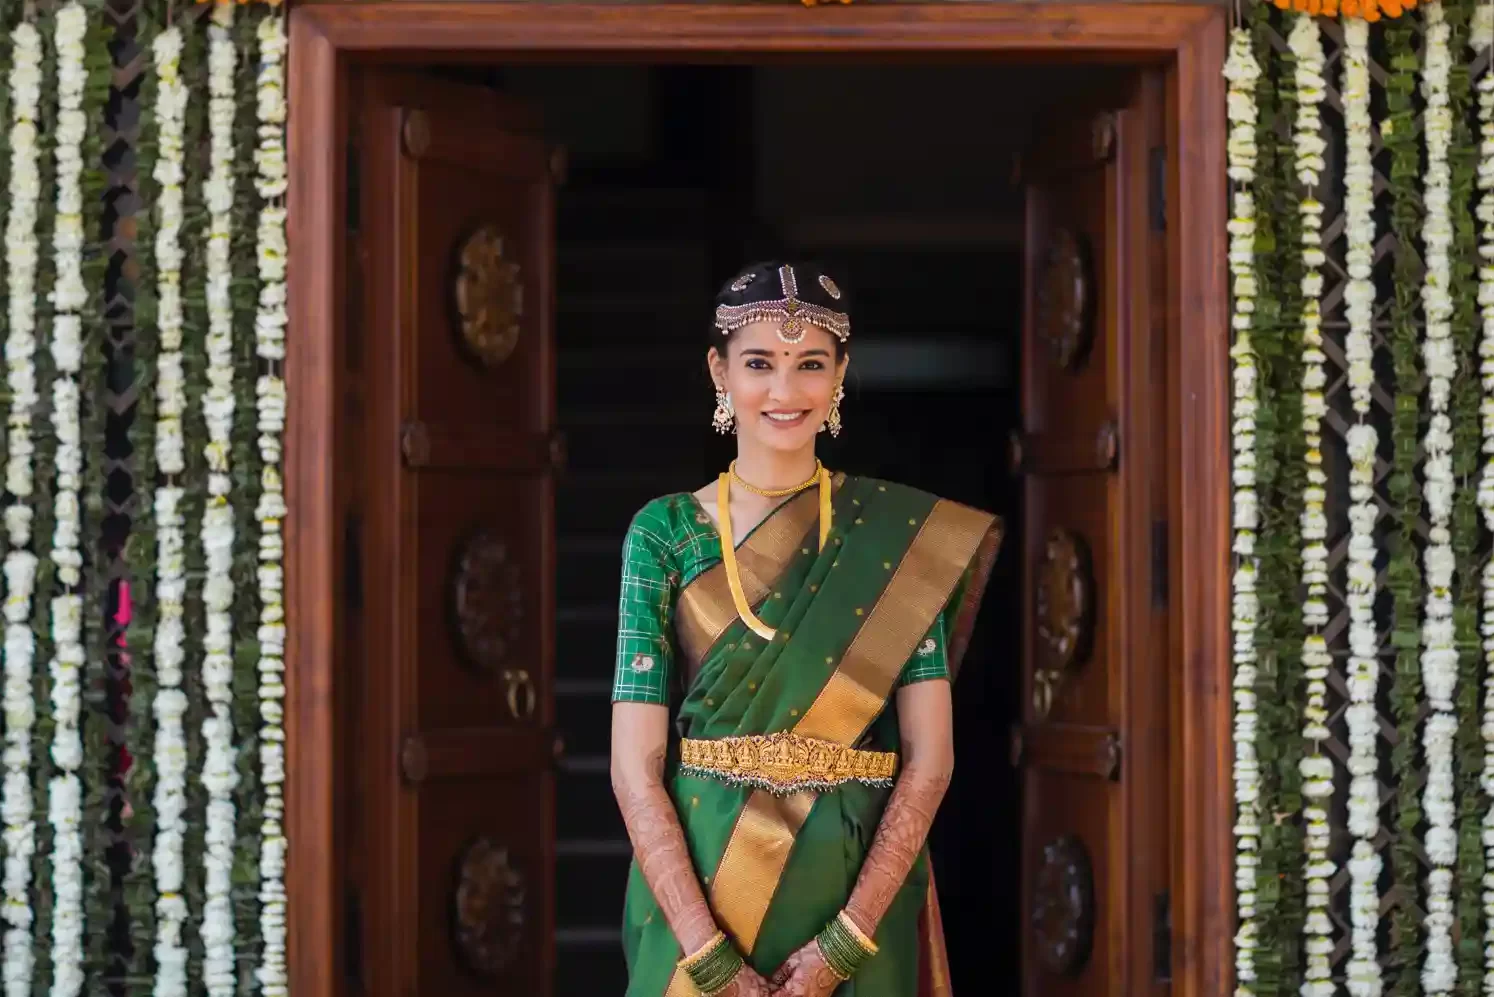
[[769, 469]]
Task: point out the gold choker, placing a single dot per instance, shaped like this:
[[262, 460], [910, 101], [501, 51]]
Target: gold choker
[[776, 492]]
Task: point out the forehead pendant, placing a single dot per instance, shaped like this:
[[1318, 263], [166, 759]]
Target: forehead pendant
[[791, 329]]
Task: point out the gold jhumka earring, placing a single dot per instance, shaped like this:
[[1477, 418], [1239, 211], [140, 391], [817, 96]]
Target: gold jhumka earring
[[725, 419], [832, 418]]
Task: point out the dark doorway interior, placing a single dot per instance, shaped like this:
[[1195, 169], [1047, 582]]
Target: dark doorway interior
[[902, 178]]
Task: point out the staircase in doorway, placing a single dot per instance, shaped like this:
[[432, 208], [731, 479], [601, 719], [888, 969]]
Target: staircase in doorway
[[633, 303]]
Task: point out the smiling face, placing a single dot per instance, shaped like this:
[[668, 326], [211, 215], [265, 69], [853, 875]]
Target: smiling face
[[781, 392]]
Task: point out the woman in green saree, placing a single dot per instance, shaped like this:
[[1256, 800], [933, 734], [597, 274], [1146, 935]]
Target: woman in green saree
[[801, 629]]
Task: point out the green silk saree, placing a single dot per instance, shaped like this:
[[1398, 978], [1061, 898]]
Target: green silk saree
[[777, 867]]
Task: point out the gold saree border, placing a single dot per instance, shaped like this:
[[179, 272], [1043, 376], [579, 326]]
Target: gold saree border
[[705, 608], [758, 849], [949, 538]]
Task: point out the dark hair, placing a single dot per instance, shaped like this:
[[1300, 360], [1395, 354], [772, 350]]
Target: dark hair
[[762, 284]]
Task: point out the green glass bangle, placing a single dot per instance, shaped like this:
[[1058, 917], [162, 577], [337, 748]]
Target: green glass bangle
[[714, 969], [843, 951]]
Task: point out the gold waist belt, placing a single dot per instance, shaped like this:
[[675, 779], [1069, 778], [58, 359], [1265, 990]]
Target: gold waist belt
[[785, 762]]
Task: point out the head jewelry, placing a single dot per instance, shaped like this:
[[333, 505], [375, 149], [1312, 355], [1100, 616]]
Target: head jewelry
[[791, 313]]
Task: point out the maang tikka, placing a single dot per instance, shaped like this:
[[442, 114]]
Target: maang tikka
[[725, 419]]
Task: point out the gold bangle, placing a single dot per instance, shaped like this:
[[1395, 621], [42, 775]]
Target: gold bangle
[[857, 933], [705, 950]]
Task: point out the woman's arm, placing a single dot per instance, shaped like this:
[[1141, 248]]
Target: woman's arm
[[926, 724], [640, 736], [640, 733]]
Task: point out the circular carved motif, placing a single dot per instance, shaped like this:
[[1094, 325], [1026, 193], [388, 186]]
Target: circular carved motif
[[488, 908], [1065, 298], [1065, 600], [486, 600], [489, 297], [1063, 906]]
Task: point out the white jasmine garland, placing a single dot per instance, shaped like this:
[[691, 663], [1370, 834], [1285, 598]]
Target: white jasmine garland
[[1317, 771], [22, 251], [69, 298], [1362, 976], [219, 771], [1485, 214], [1439, 656], [1242, 71], [169, 752], [270, 322]]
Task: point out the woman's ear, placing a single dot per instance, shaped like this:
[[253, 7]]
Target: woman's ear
[[841, 365], [716, 365]]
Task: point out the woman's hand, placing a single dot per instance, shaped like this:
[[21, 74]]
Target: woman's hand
[[805, 974], [747, 983]]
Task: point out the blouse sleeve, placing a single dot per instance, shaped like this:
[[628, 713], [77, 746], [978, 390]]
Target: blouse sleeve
[[930, 659], [645, 652]]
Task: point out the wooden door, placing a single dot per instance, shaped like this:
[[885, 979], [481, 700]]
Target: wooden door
[[1092, 744], [450, 720]]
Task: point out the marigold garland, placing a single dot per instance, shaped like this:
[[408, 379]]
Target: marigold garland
[[1368, 10]]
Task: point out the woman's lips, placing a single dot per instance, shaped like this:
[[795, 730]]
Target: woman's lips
[[786, 420]]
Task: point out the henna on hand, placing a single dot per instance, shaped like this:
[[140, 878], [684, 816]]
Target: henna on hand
[[663, 855], [805, 974], [747, 983]]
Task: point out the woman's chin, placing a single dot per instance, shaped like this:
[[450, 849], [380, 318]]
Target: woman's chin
[[786, 439]]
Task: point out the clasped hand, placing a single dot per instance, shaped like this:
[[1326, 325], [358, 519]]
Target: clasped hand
[[803, 974]]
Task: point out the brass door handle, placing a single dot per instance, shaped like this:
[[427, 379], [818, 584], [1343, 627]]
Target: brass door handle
[[520, 693]]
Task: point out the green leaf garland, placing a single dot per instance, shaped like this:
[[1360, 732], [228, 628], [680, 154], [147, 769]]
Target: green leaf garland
[[97, 771], [139, 890], [1467, 440], [1403, 573]]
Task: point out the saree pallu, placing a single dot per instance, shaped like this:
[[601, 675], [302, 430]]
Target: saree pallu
[[776, 867]]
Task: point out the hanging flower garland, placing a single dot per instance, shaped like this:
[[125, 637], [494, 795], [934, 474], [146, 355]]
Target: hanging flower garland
[[271, 184], [1363, 971], [170, 706], [22, 253], [219, 771], [69, 297], [1242, 71], [1306, 43], [1485, 214], [1439, 658]]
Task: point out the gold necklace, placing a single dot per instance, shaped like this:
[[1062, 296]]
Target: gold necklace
[[777, 492], [729, 549]]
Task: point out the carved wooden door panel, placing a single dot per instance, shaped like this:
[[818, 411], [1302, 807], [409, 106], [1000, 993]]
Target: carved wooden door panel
[[452, 719], [1092, 743]]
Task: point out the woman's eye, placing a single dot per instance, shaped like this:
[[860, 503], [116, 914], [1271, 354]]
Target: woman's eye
[[812, 365], [757, 363]]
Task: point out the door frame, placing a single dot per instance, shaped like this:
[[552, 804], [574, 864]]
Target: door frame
[[1187, 40]]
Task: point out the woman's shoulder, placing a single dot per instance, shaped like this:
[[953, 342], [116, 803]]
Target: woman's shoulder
[[664, 518]]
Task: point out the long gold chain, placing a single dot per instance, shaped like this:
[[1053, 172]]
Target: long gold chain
[[729, 548], [777, 492]]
